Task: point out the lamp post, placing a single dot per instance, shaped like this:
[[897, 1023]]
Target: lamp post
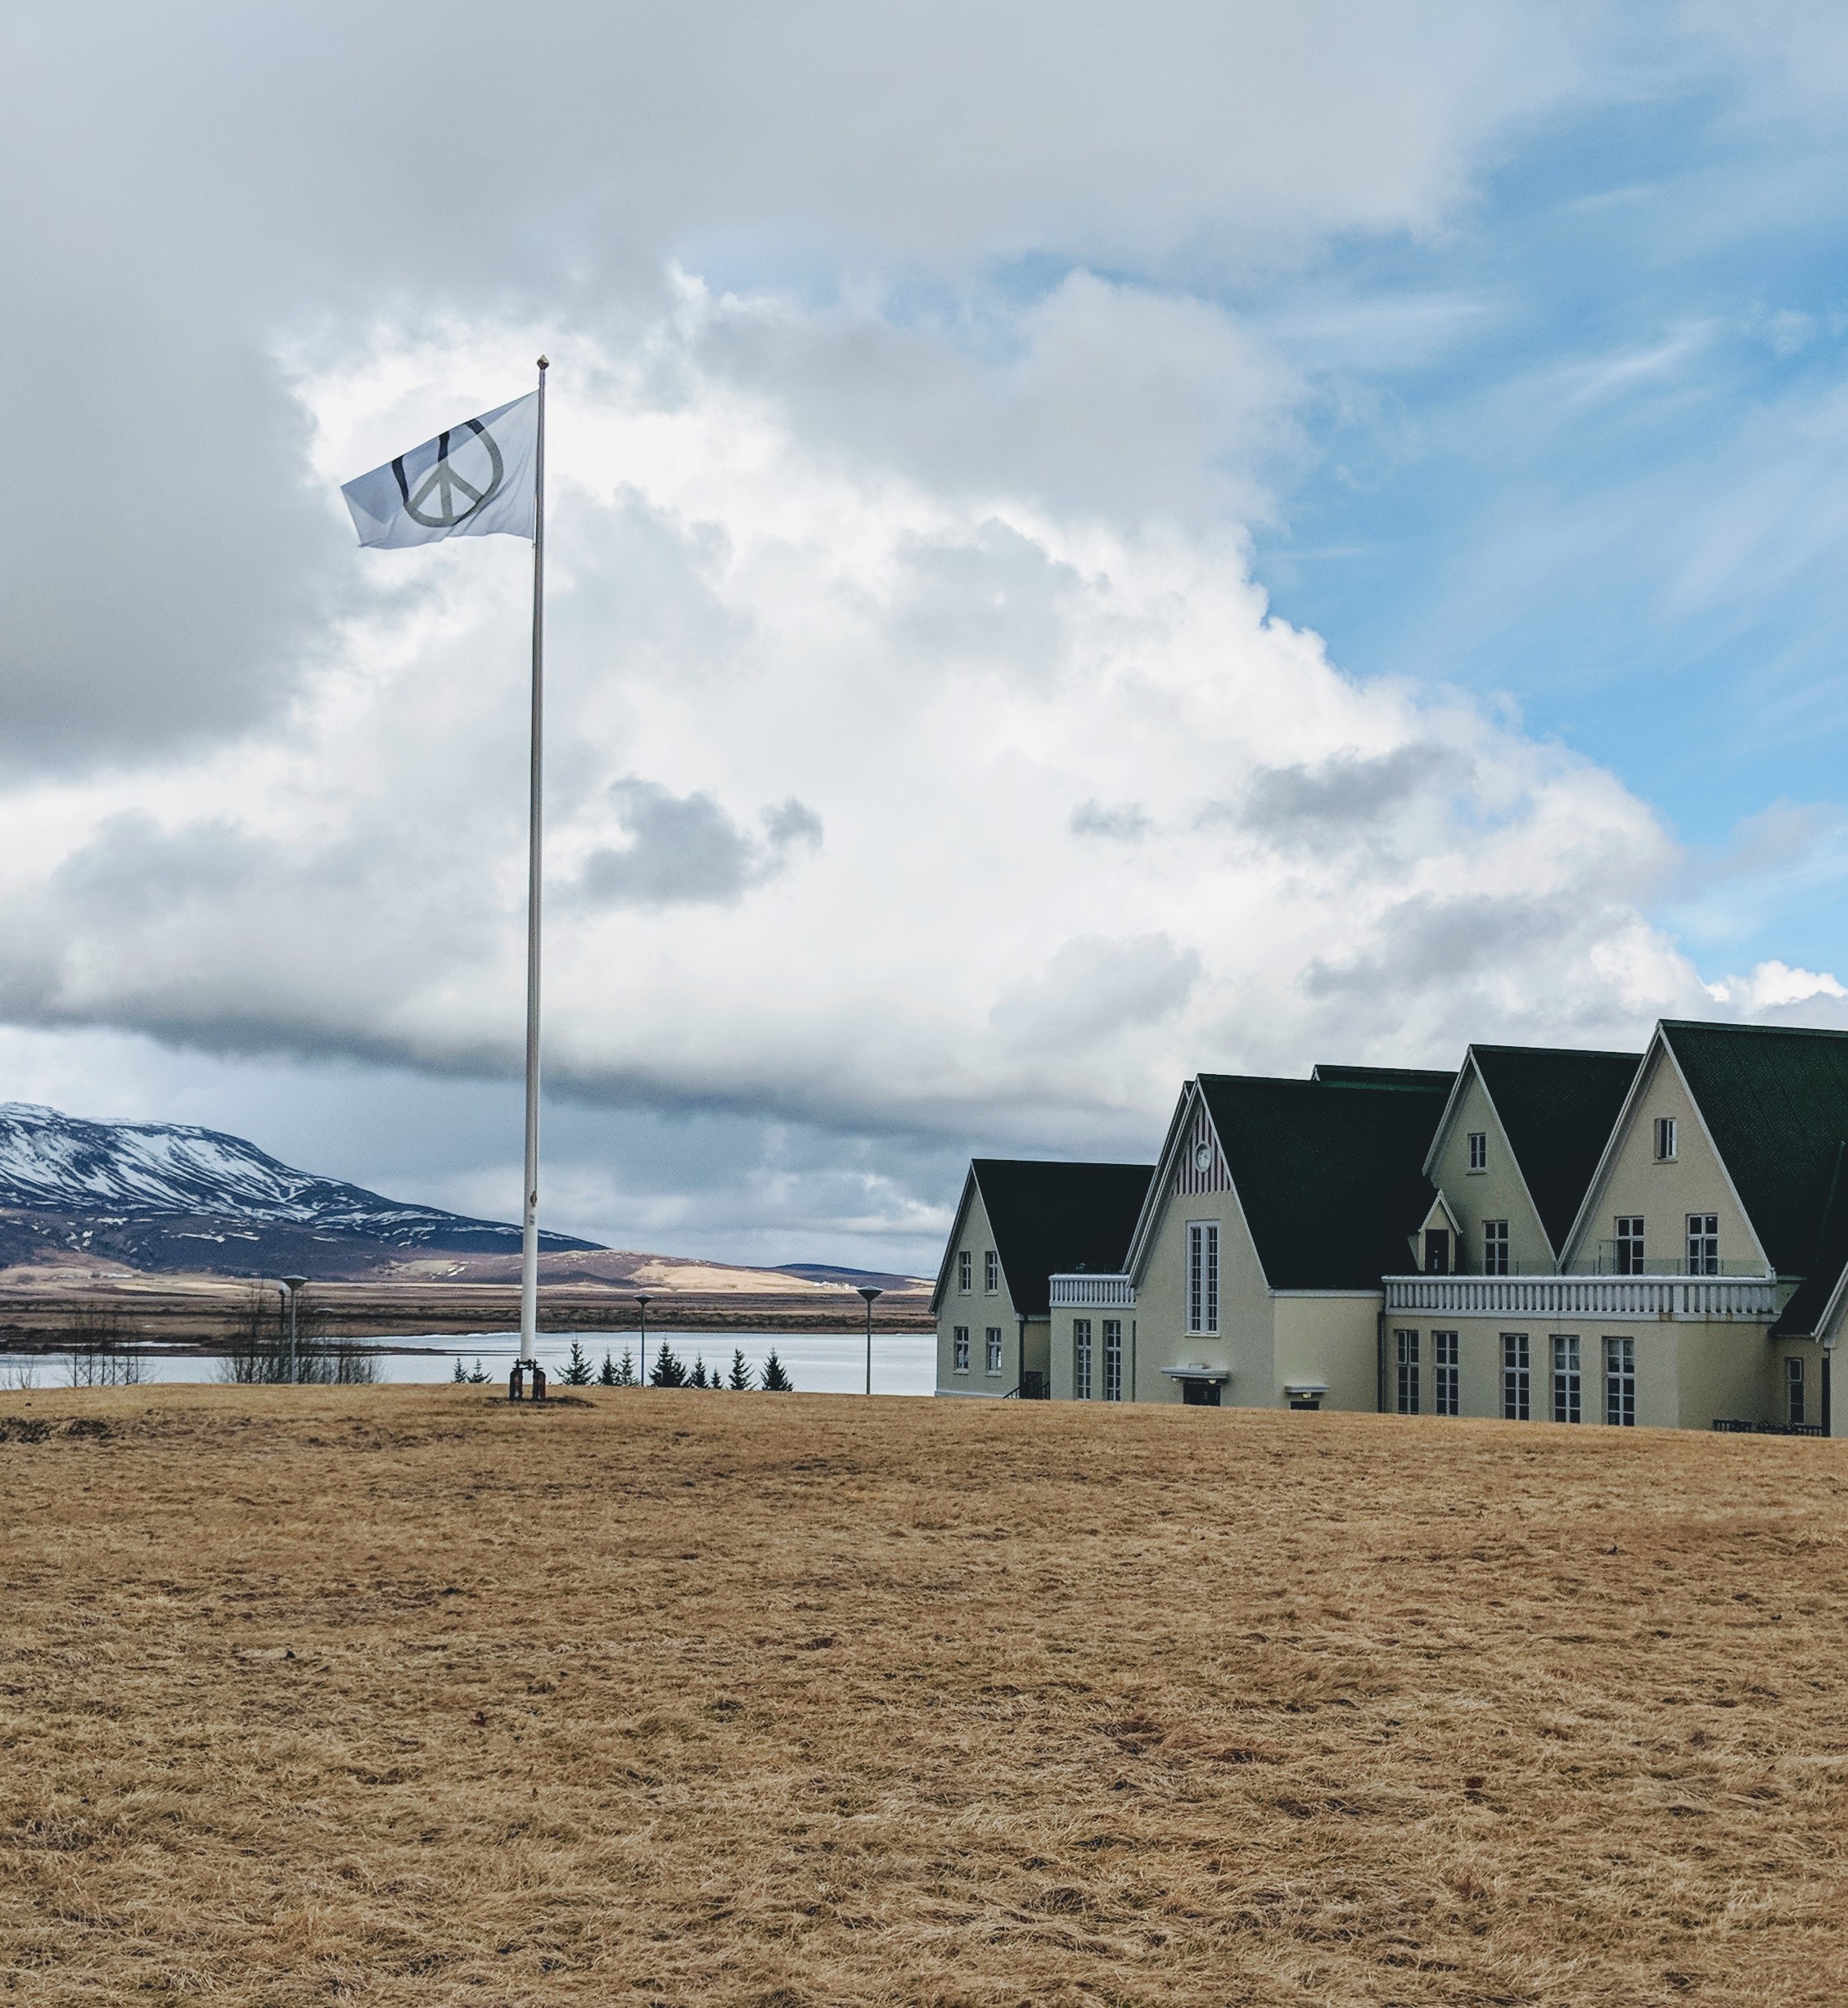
[[643, 1380], [291, 1285], [869, 1292]]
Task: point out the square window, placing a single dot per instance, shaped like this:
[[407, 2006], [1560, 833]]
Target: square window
[[1664, 1139], [1479, 1150], [1495, 1248], [959, 1349], [994, 1349]]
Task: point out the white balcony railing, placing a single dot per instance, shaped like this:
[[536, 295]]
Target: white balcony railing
[[1084, 1292], [1703, 1299]]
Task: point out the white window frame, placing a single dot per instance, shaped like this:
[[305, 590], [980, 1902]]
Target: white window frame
[[1405, 1347], [1627, 1239], [1620, 1383], [1081, 1359], [1445, 1374], [965, 1272], [1796, 1411], [959, 1349], [995, 1346], [1668, 1138], [1495, 1248], [1703, 1245], [1113, 1359], [1568, 1377], [991, 1273], [1517, 1378], [1479, 1150], [1203, 1278]]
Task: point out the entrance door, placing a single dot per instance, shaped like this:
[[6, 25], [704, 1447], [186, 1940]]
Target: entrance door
[[1200, 1394]]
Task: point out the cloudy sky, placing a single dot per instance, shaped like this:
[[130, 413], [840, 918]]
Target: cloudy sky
[[1089, 543]]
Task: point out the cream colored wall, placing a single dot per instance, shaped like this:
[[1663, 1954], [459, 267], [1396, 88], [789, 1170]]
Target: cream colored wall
[[1334, 1339], [1063, 1375], [1494, 1194], [1723, 1372], [1245, 1341], [1664, 1194], [978, 1311], [1777, 1387]]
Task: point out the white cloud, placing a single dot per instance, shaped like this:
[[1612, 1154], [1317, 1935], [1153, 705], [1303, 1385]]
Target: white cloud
[[935, 687]]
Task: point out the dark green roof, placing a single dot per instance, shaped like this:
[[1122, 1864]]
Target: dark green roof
[[1558, 1108], [1329, 1175], [1048, 1218], [1420, 1080], [1775, 1101]]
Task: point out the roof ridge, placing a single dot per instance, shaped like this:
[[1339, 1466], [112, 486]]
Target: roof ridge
[[1574, 1053], [1765, 1031]]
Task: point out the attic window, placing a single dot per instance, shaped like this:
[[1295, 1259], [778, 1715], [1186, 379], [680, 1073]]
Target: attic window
[[991, 1273], [1664, 1139], [1479, 1150]]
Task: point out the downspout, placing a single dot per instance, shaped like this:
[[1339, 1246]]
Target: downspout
[[1379, 1358]]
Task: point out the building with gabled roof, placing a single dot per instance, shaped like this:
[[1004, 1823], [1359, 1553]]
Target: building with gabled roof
[[1020, 1220], [1547, 1235]]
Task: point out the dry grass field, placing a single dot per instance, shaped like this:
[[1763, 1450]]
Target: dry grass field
[[400, 1696]]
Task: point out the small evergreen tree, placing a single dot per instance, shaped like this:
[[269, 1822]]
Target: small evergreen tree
[[577, 1368], [625, 1370], [607, 1374], [740, 1381], [697, 1378], [459, 1375], [667, 1371], [479, 1377], [775, 1380]]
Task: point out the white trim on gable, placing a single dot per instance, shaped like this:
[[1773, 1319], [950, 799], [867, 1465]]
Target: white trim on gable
[[1440, 1136], [1619, 1134], [1164, 1188], [942, 1290]]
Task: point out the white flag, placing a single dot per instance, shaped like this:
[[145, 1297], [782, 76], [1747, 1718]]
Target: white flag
[[476, 481]]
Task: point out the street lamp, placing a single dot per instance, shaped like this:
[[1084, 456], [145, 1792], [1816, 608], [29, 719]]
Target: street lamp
[[869, 1292], [643, 1380], [291, 1285]]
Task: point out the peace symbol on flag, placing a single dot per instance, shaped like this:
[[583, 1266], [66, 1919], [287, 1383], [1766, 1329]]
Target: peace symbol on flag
[[448, 486]]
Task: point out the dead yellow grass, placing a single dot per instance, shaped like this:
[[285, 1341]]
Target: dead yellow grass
[[402, 1696]]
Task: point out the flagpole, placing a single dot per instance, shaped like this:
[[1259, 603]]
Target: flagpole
[[530, 1213]]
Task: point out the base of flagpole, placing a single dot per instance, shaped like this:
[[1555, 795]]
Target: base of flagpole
[[515, 1391]]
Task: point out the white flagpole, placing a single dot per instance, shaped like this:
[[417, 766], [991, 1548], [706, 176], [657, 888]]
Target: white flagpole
[[529, 1215]]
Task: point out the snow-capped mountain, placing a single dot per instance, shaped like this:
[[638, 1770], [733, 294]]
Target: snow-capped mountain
[[109, 1179]]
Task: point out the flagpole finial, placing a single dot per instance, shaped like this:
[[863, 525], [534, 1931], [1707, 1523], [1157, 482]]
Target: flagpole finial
[[544, 364]]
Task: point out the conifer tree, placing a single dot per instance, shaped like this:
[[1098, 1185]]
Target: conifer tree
[[459, 1375], [740, 1382], [625, 1370], [607, 1374], [479, 1377], [775, 1380], [577, 1368], [667, 1371], [697, 1378]]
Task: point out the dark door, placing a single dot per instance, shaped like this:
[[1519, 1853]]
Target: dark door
[[1200, 1394], [1437, 1251]]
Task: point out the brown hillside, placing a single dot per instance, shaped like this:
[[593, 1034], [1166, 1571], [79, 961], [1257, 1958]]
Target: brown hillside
[[403, 1696]]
